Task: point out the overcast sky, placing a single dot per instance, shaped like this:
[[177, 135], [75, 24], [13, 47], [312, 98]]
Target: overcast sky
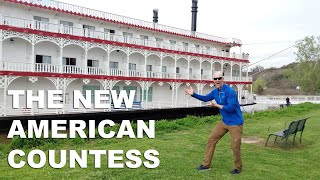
[[264, 26]]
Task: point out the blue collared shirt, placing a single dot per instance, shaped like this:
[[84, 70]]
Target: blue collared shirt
[[227, 97]]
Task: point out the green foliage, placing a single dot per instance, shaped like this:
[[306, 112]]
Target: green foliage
[[163, 126], [278, 81], [3, 150], [19, 143], [308, 49], [278, 77], [78, 140], [291, 111], [307, 74], [166, 126], [258, 85], [288, 73], [260, 90], [182, 149], [303, 73]]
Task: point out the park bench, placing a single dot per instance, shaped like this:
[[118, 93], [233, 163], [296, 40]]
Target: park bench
[[293, 128], [301, 126]]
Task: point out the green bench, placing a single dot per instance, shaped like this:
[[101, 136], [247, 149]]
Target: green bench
[[293, 128]]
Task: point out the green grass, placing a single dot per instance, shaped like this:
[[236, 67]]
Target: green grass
[[181, 145]]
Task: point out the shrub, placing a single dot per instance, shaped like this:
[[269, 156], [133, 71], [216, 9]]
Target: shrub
[[78, 140], [19, 143], [3, 150]]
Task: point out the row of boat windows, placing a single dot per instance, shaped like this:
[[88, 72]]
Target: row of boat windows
[[137, 98], [112, 32], [42, 59]]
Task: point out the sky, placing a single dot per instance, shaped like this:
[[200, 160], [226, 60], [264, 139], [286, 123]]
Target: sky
[[265, 27]]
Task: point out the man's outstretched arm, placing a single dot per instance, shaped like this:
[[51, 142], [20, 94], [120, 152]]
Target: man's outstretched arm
[[204, 98]]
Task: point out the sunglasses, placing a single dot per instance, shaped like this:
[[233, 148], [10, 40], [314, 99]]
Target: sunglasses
[[218, 78]]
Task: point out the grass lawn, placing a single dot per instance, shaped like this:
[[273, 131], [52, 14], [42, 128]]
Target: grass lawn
[[181, 145]]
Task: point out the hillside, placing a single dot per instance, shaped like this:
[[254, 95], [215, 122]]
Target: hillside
[[278, 81]]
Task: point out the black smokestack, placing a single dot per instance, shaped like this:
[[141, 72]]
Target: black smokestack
[[194, 10], [155, 15]]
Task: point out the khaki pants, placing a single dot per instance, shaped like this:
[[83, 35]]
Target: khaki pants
[[218, 132]]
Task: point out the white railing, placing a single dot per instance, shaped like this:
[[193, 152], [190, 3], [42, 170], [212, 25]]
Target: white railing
[[69, 69], [97, 71], [56, 28], [235, 78], [168, 75], [246, 79], [46, 68], [227, 78], [117, 72], [133, 73], [282, 99], [182, 76], [151, 74], [169, 104], [68, 108], [157, 105], [124, 19], [194, 76], [17, 22], [206, 77], [17, 66], [50, 68]]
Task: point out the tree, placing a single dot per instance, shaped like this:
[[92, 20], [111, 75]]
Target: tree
[[257, 68], [260, 90], [259, 85], [307, 74]]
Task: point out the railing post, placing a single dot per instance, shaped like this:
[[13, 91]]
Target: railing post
[[33, 24], [108, 36], [200, 68], [240, 71], [161, 64], [1, 19], [147, 93], [32, 59], [108, 64], [145, 67], [172, 94], [175, 68], [61, 61], [127, 68], [247, 77], [1, 65], [86, 60], [5, 96], [60, 29]]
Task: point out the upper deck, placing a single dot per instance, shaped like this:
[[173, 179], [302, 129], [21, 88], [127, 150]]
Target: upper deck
[[175, 57], [114, 18]]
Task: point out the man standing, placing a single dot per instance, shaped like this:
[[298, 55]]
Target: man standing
[[232, 121], [288, 101]]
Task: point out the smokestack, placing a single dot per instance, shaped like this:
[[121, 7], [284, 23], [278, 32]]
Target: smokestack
[[194, 10], [155, 15]]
